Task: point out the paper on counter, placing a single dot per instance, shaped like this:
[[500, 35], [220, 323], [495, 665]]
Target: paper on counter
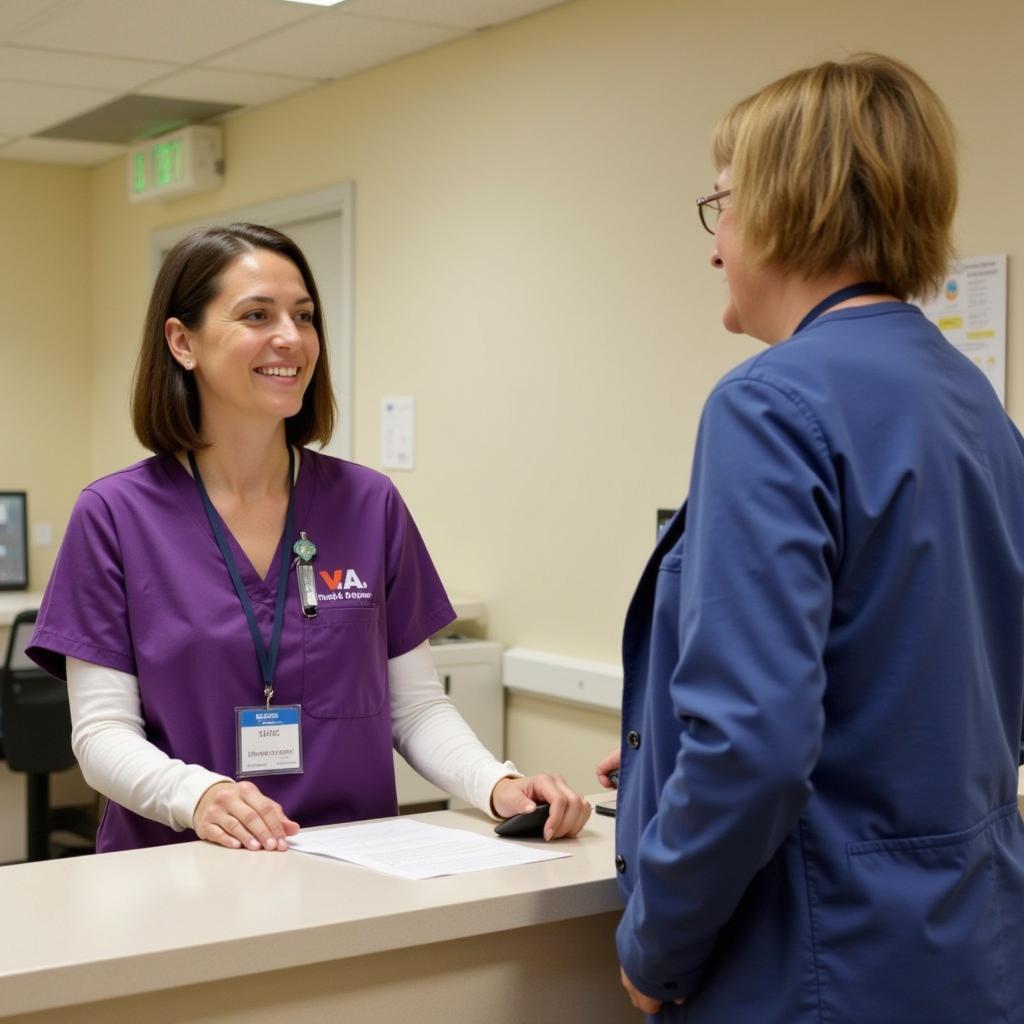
[[413, 849]]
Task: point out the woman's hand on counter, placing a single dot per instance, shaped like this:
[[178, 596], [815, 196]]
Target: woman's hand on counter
[[606, 766], [569, 811], [237, 814]]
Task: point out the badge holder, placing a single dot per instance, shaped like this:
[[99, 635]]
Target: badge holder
[[268, 741]]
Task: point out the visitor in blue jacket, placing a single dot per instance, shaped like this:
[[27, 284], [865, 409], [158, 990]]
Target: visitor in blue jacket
[[824, 660]]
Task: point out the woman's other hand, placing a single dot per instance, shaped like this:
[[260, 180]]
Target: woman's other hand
[[606, 766], [237, 814], [568, 810]]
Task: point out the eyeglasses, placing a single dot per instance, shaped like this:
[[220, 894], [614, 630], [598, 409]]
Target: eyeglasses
[[709, 207]]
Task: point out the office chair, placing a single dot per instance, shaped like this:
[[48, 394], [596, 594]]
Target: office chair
[[37, 740]]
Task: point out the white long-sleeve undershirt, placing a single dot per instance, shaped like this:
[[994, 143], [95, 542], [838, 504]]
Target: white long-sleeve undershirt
[[109, 740]]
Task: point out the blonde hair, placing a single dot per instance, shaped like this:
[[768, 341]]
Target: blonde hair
[[845, 165]]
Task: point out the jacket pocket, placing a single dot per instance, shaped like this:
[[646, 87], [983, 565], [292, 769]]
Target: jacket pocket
[[911, 931], [345, 665]]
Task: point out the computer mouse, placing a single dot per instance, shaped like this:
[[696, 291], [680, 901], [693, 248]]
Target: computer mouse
[[529, 825]]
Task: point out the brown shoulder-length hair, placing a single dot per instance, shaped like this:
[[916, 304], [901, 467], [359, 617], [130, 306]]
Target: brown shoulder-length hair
[[845, 164], [165, 402]]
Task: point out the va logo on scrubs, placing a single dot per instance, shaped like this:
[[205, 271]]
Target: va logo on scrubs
[[334, 580]]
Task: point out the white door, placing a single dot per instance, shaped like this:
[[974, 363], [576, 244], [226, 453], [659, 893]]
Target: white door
[[319, 239]]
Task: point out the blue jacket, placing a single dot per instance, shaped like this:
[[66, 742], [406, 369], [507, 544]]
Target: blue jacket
[[824, 696]]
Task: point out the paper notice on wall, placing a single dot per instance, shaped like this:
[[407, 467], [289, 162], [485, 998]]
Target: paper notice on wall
[[970, 310]]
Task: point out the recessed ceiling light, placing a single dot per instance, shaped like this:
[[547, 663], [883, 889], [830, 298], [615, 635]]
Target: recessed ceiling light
[[316, 3]]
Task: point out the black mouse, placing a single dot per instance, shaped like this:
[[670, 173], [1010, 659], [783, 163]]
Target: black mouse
[[529, 825]]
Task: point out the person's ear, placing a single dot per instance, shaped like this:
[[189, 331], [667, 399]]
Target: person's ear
[[179, 342]]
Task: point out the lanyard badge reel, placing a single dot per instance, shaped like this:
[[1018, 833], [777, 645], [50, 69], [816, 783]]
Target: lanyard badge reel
[[304, 550]]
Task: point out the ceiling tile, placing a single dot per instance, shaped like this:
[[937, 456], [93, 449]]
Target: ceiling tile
[[180, 31], [20, 64], [333, 46], [27, 108], [19, 15], [60, 151], [215, 86], [469, 14]]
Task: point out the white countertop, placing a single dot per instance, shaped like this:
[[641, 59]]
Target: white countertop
[[119, 924]]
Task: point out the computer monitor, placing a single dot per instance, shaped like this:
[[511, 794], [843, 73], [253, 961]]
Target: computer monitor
[[13, 540]]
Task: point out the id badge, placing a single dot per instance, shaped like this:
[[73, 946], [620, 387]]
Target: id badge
[[268, 741]]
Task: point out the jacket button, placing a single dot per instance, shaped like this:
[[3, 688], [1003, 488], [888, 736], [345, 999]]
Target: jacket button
[[633, 738], [620, 863]]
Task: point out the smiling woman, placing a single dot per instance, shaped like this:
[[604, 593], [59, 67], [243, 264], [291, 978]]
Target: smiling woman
[[193, 666], [257, 345], [212, 280]]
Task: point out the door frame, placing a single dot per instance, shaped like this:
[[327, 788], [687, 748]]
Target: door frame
[[337, 199]]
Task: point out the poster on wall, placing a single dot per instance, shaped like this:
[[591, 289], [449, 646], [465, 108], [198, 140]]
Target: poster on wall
[[970, 310]]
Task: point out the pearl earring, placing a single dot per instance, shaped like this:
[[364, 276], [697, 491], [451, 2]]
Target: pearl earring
[[189, 364]]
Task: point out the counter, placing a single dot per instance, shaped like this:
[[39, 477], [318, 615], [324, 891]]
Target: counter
[[200, 933]]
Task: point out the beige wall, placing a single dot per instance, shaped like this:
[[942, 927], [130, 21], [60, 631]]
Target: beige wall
[[557, 736], [45, 342], [529, 266]]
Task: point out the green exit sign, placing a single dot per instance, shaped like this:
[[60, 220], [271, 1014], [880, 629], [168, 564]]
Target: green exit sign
[[167, 163], [185, 161]]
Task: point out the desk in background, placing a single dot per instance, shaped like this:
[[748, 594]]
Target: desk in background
[[200, 933], [12, 602]]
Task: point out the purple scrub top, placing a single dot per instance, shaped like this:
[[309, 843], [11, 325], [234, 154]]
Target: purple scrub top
[[140, 586]]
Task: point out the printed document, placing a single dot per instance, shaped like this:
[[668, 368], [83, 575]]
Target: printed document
[[414, 849]]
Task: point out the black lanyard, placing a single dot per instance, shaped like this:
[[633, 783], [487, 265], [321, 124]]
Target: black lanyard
[[267, 659], [851, 291]]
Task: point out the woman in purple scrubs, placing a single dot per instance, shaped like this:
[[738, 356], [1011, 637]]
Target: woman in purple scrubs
[[240, 607]]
